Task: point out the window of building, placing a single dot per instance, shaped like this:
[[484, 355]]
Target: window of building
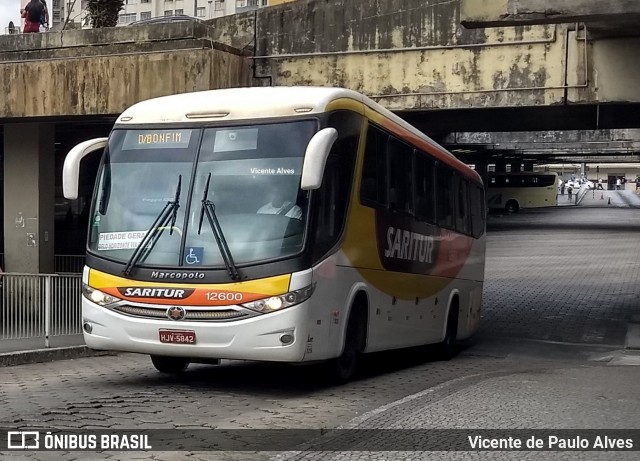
[[179, 11], [126, 18], [145, 1], [246, 3], [200, 12], [145, 15], [219, 5], [168, 12], [131, 2]]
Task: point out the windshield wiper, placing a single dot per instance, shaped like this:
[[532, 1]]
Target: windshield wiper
[[168, 214], [209, 208]]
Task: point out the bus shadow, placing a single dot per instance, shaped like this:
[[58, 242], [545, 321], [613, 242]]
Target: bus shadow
[[276, 378]]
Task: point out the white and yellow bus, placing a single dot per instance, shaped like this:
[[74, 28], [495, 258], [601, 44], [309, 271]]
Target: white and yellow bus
[[513, 191], [279, 224]]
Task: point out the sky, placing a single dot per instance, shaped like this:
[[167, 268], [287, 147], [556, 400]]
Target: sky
[[9, 11]]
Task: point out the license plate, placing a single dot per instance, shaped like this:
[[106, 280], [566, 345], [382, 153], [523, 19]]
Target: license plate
[[178, 336]]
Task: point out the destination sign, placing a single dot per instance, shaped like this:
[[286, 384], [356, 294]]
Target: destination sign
[[157, 139]]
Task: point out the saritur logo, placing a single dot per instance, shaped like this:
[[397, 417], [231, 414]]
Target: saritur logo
[[165, 293]]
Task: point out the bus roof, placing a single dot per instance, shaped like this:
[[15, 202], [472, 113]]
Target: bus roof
[[259, 102], [235, 104]]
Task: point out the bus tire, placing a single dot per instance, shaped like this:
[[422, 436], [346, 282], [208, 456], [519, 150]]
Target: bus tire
[[344, 368], [171, 365], [512, 206], [447, 348]]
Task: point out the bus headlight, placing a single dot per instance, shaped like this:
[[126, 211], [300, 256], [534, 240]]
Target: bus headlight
[[97, 296], [275, 303]]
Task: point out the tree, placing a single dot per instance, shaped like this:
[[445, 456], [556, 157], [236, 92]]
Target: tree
[[70, 7], [104, 13]]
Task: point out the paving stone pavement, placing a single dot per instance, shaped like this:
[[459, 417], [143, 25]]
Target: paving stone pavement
[[560, 289]]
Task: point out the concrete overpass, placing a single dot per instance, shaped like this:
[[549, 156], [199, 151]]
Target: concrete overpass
[[562, 74]]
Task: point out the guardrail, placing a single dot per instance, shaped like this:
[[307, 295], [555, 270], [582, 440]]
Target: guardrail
[[40, 306]]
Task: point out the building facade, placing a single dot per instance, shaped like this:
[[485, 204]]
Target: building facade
[[74, 12]]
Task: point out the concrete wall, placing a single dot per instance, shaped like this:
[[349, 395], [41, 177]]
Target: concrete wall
[[98, 72], [616, 69], [491, 13], [408, 54]]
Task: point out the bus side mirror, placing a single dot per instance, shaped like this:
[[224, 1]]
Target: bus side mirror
[[315, 158], [71, 168]]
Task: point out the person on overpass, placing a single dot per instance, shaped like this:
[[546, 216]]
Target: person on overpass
[[32, 15]]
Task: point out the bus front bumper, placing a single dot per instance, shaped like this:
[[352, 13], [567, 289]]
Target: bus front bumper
[[254, 338]]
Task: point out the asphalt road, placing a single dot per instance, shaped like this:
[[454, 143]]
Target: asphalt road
[[561, 288]]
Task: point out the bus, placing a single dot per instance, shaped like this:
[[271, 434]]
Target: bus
[[513, 191], [286, 224]]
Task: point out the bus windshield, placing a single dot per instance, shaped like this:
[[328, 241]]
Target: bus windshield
[[253, 173]]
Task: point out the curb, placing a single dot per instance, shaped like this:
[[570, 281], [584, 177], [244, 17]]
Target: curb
[[10, 359]]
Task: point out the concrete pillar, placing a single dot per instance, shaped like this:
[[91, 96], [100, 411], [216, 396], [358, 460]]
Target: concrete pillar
[[29, 197]]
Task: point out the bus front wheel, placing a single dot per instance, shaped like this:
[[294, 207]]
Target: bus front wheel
[[343, 368], [172, 365], [512, 206], [447, 348]]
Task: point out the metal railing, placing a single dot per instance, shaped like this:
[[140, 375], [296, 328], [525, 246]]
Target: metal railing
[[40, 306]]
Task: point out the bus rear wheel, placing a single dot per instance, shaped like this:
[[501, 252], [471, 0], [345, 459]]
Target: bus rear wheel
[[512, 206], [172, 365]]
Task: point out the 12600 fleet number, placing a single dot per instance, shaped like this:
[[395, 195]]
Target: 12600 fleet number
[[223, 296]]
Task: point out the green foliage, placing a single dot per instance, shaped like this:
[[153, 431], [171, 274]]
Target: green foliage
[[104, 13]]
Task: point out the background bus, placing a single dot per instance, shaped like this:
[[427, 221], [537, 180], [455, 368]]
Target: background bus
[[513, 191], [373, 237]]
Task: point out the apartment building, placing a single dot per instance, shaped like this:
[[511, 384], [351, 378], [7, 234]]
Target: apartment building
[[136, 10]]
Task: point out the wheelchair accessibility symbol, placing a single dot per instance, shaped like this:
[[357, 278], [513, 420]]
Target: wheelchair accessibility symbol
[[194, 255]]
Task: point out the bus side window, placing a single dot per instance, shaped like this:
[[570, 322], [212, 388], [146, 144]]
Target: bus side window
[[400, 176], [424, 182], [445, 202], [462, 201], [477, 210], [373, 188], [332, 199]]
